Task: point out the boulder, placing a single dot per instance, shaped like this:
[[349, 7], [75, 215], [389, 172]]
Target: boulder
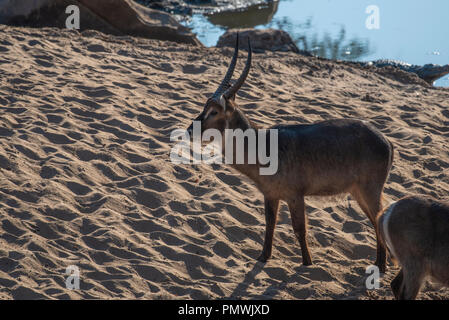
[[261, 40], [188, 7], [118, 17], [250, 17]]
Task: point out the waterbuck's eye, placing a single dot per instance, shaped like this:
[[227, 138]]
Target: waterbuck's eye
[[213, 113]]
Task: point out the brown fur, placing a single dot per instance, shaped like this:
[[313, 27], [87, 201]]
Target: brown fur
[[322, 159], [418, 228]]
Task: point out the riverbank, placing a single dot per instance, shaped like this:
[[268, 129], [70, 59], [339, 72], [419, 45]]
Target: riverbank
[[86, 177]]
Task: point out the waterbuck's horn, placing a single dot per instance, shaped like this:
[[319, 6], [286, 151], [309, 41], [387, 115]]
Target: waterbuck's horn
[[225, 83], [233, 90]]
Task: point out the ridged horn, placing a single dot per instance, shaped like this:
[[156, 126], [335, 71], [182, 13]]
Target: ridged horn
[[233, 90], [225, 83]]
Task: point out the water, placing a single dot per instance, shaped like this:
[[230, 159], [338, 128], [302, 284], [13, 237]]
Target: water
[[413, 31]]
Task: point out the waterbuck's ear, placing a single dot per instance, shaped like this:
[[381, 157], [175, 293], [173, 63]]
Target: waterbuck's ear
[[232, 97], [230, 107], [228, 86]]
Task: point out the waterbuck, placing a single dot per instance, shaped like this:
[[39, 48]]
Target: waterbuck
[[415, 230], [321, 159]]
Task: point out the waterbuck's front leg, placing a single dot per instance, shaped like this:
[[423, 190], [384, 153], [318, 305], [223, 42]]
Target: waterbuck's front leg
[[299, 221], [271, 211]]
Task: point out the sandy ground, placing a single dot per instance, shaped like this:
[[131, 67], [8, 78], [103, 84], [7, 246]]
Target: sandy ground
[[86, 179]]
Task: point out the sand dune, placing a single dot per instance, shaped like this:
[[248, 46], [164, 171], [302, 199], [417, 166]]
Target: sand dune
[[86, 178]]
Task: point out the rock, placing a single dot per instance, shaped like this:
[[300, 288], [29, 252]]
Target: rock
[[249, 17], [261, 40], [118, 17], [428, 72], [188, 7], [177, 7], [14, 8]]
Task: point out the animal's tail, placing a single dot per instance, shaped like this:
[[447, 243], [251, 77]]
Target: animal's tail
[[382, 231], [390, 164], [392, 154]]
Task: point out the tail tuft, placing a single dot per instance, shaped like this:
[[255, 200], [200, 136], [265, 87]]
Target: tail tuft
[[381, 230]]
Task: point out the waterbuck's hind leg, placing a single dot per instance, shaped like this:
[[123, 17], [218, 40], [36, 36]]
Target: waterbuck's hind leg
[[413, 277], [369, 198], [381, 259], [271, 211], [299, 221], [397, 284]]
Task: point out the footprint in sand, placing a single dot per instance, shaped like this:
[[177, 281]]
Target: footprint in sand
[[445, 113], [167, 238], [198, 225], [95, 92], [432, 165], [181, 173], [123, 85], [146, 226], [194, 69], [28, 152], [61, 213], [25, 293], [108, 172], [96, 48], [151, 274], [241, 216], [57, 138], [179, 206], [6, 132], [77, 188], [46, 230], [147, 198], [91, 202], [165, 67], [222, 249], [194, 189], [53, 118], [352, 227], [95, 243], [195, 249], [88, 115], [155, 184], [88, 155], [11, 228], [44, 63], [229, 179]]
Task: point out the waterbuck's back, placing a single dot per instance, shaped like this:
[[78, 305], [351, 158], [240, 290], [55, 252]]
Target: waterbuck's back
[[332, 156]]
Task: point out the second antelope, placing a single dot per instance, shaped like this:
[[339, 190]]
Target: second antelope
[[416, 231], [321, 159]]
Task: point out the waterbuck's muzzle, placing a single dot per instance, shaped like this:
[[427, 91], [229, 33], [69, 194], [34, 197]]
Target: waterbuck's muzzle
[[190, 128], [200, 119]]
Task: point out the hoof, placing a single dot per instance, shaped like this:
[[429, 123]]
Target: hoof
[[382, 267], [263, 258], [307, 263]]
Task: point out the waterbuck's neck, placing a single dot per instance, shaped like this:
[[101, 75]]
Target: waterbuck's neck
[[240, 121]]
